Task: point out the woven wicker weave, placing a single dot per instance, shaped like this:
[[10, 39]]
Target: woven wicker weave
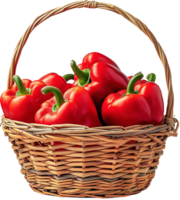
[[90, 162]]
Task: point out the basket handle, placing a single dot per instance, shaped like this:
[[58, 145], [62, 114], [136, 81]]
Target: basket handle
[[106, 6]]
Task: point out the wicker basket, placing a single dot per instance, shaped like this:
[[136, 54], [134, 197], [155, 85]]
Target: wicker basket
[[93, 162]]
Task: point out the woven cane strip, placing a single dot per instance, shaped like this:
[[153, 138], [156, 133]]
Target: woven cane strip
[[112, 167]]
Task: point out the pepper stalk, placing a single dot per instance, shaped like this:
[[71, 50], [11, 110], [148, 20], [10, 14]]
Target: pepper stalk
[[151, 76], [58, 96], [68, 77], [83, 75], [21, 88]]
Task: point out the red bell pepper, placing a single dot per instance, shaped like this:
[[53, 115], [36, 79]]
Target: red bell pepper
[[87, 60], [95, 56], [100, 80], [53, 79], [142, 104], [77, 109], [21, 103], [151, 78]]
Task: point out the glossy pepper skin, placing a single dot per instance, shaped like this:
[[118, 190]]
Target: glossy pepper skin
[[21, 103], [99, 81], [77, 109], [142, 104], [150, 78], [92, 58], [53, 79]]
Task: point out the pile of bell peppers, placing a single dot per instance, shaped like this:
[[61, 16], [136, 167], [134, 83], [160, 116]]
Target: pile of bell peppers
[[100, 95]]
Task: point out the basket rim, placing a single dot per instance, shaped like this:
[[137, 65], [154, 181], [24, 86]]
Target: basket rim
[[168, 127]]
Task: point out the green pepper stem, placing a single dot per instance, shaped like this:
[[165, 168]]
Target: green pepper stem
[[21, 88], [151, 77], [68, 77], [132, 82], [83, 75], [57, 93]]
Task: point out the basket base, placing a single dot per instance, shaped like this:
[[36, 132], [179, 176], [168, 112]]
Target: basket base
[[69, 186]]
